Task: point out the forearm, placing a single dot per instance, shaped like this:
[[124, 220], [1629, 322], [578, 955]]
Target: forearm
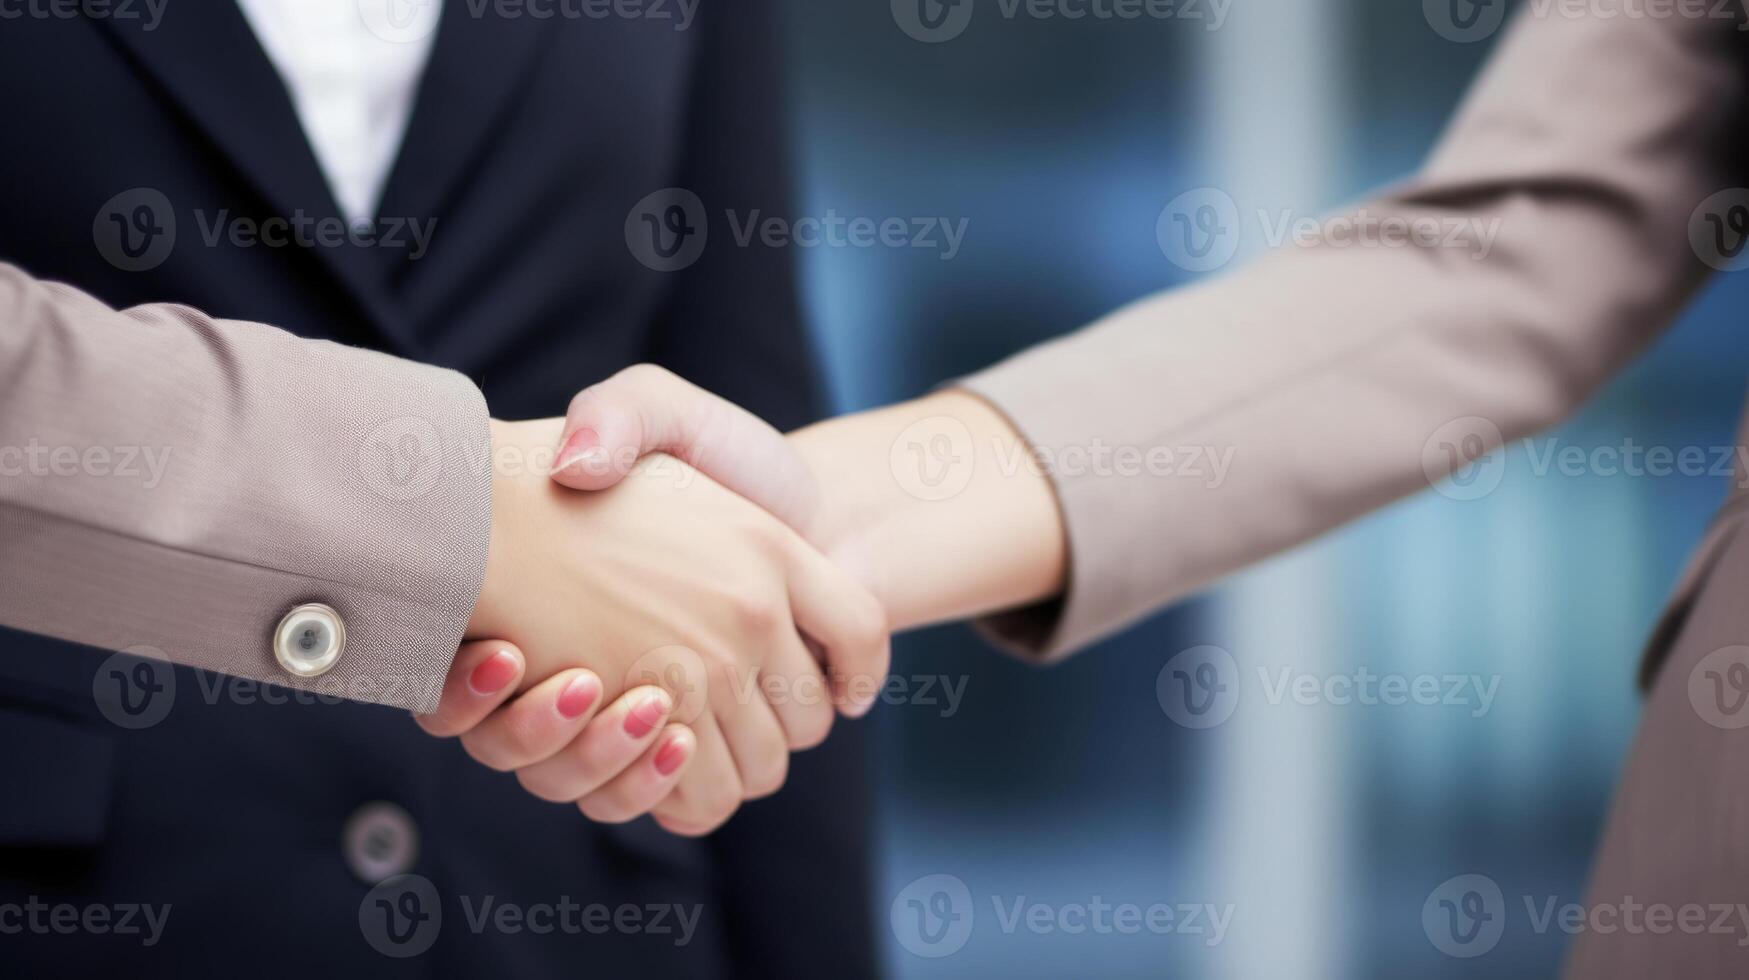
[[937, 506], [178, 483]]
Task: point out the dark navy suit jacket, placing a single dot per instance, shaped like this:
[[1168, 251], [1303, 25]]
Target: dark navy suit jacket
[[531, 141]]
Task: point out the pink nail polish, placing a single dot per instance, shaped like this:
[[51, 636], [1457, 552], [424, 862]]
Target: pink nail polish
[[493, 673], [671, 755], [580, 443], [641, 720], [579, 695]]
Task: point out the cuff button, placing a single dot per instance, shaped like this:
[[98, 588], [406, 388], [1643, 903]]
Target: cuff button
[[309, 640]]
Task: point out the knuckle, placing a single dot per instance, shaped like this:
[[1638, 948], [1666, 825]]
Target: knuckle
[[707, 810], [757, 613], [681, 828], [646, 374], [583, 399], [721, 672], [810, 727], [520, 736], [714, 819], [869, 627], [767, 776], [603, 810], [540, 788], [485, 755], [438, 725]]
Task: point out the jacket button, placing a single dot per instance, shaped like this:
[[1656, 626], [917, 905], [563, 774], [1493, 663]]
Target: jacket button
[[379, 842], [309, 640]]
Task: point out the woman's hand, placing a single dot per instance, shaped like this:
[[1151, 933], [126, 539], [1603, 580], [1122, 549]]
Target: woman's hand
[[615, 763], [669, 581]]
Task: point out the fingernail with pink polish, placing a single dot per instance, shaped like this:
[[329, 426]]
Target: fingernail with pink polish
[[583, 444], [641, 720], [579, 695], [493, 673], [671, 755]]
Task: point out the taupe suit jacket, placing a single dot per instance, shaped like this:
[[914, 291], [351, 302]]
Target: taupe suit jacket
[[1333, 373], [175, 484]]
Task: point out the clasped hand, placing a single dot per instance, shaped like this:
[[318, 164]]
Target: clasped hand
[[657, 643]]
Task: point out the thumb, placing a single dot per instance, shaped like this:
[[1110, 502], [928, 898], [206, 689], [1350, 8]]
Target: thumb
[[646, 409]]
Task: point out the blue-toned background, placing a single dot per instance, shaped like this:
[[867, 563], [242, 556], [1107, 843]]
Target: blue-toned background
[[1323, 828]]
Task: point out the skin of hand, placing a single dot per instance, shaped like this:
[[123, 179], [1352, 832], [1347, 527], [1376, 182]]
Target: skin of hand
[[645, 756], [937, 506], [674, 589], [996, 541], [853, 485]]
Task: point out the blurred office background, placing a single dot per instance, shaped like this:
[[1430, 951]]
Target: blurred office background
[[1325, 828]]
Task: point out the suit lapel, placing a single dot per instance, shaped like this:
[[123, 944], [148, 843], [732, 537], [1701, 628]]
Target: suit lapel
[[209, 64], [479, 62]]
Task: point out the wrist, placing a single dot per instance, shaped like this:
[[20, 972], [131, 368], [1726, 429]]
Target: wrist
[[515, 458], [484, 619], [934, 505]]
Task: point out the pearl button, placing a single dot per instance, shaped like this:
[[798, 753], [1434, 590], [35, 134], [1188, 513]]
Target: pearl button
[[309, 640], [380, 840]]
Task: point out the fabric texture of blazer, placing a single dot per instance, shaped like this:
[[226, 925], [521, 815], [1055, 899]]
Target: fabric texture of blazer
[[1566, 190]]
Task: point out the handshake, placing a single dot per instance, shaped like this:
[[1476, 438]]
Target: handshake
[[685, 596]]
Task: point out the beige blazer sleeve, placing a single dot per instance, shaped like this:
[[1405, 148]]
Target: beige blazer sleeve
[[1587, 143], [173, 484]]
